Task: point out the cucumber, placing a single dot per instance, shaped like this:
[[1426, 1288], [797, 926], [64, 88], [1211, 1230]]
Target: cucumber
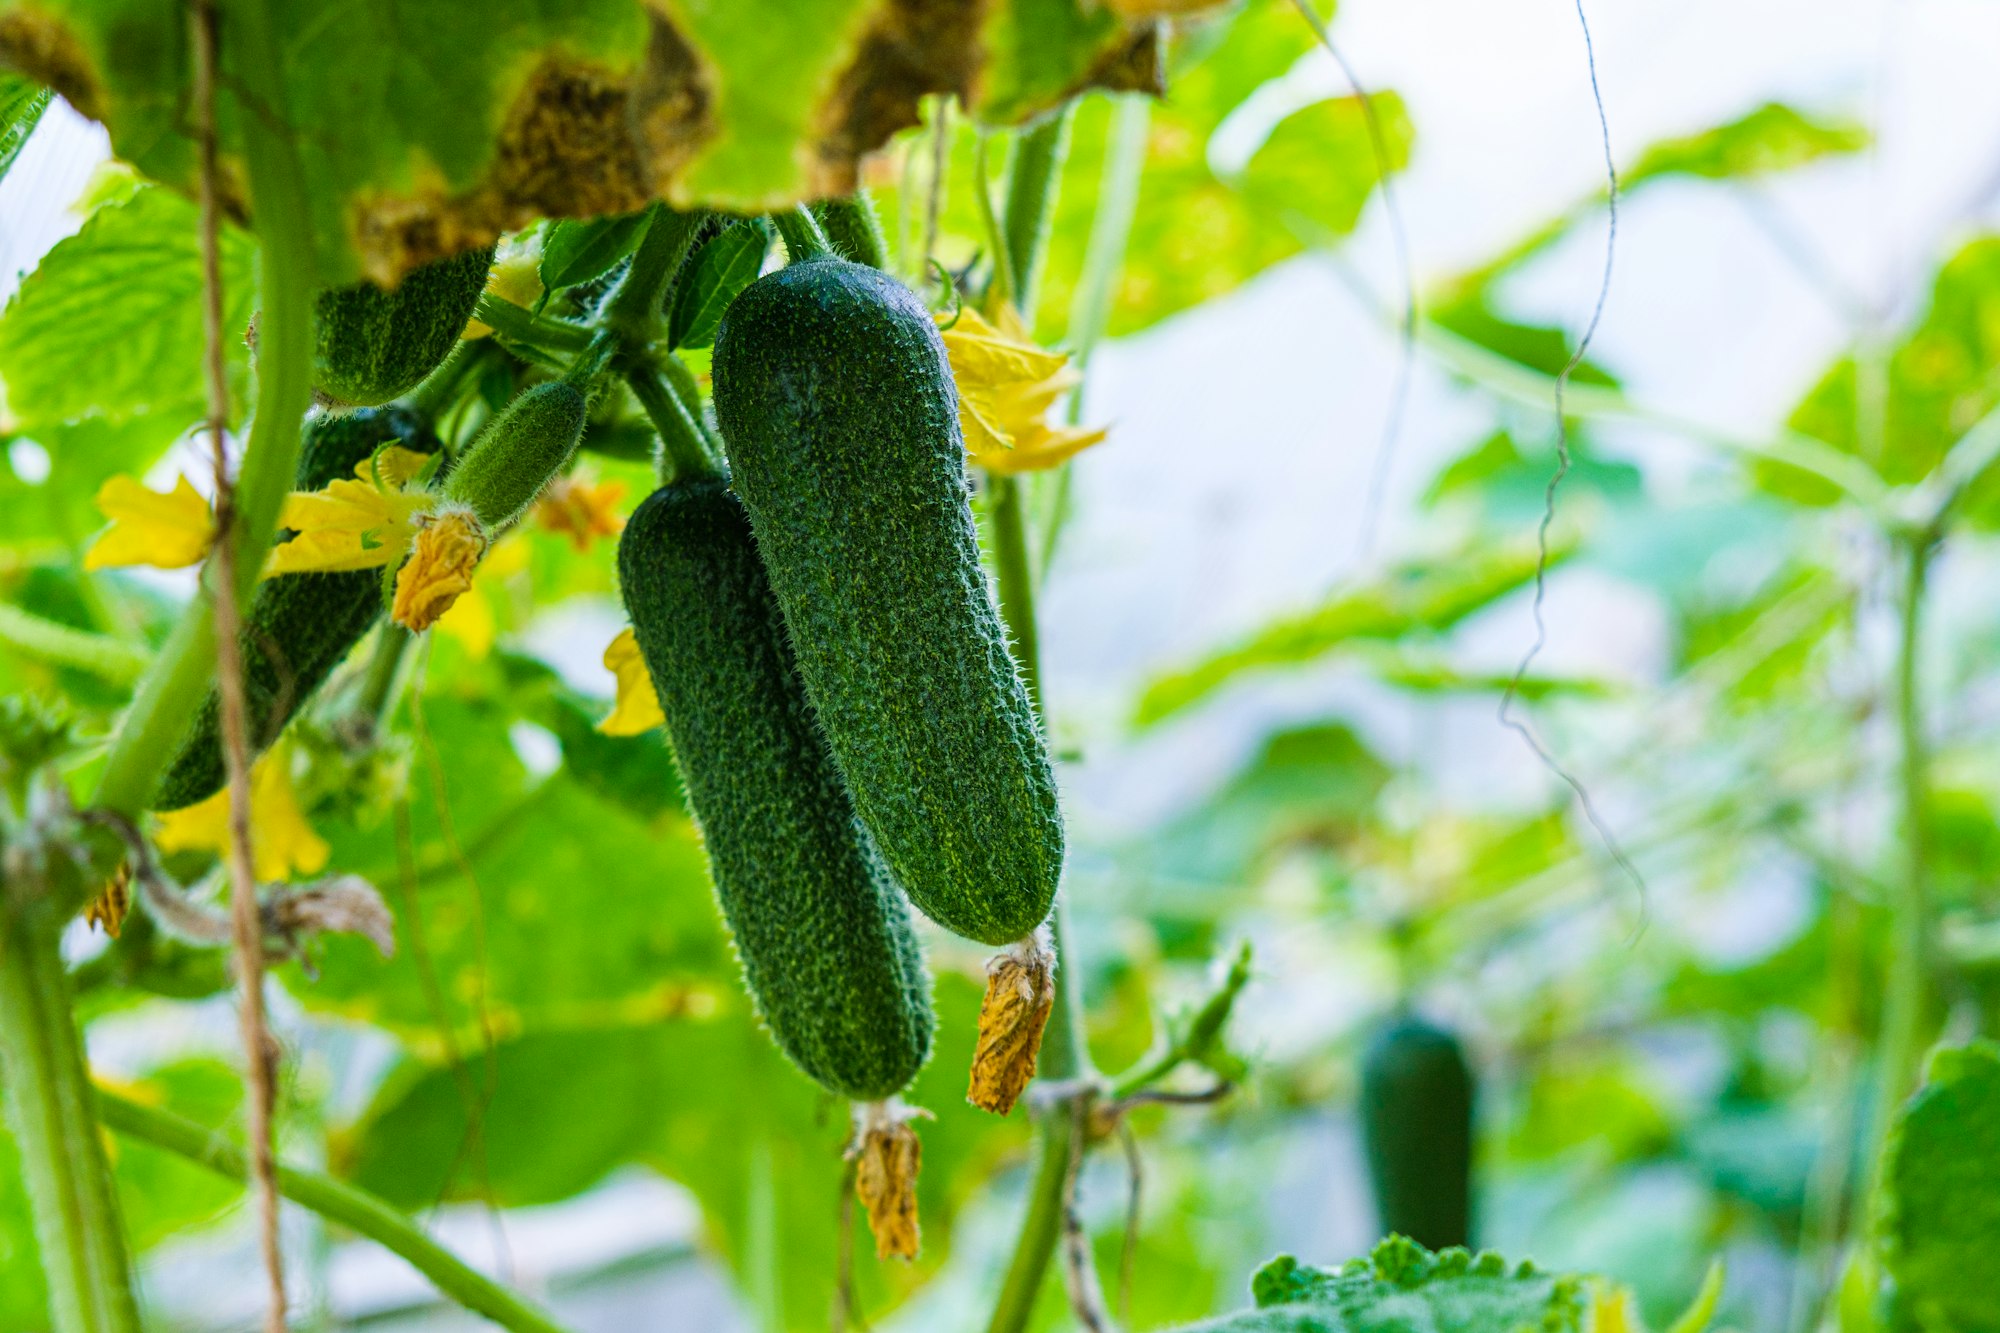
[[1416, 1118], [828, 951], [371, 345], [300, 627], [519, 453], [840, 420]]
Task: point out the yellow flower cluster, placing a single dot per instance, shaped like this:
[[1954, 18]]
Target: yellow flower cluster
[[1006, 386]]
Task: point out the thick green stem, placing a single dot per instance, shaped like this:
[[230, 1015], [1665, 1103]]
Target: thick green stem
[[1110, 229], [803, 238], [1041, 1227], [1032, 168], [684, 452], [634, 309], [180, 679], [69, 1185], [108, 659], [356, 1209], [384, 668], [853, 230], [551, 338]]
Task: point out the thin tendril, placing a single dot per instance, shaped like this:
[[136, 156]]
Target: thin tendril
[[1406, 355], [1508, 700]]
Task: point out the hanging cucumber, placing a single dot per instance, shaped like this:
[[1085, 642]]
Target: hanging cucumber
[[839, 416], [1416, 1117], [301, 626], [371, 345], [826, 942]]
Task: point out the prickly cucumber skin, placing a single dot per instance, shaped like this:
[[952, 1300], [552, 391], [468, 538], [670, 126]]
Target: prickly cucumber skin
[[300, 626], [825, 939], [1416, 1118], [371, 345], [519, 453], [840, 419]]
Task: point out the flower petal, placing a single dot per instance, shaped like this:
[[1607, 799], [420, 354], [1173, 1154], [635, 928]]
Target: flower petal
[[440, 569], [283, 844], [637, 709], [167, 531]]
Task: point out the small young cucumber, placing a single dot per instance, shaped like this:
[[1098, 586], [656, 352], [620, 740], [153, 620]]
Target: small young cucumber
[[826, 941], [371, 345], [1416, 1120], [840, 419], [301, 626], [519, 453]]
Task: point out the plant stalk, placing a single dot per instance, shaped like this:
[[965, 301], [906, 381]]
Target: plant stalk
[[109, 659], [684, 450], [173, 690], [1033, 168], [356, 1209], [69, 1184], [633, 311], [802, 235], [1906, 990], [1065, 1053]]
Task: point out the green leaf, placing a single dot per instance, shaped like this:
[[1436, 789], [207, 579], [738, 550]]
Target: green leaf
[[719, 271], [426, 128], [1938, 382], [1542, 347], [110, 324], [1774, 137], [22, 102], [1291, 176], [707, 1102], [576, 252], [1425, 596], [1944, 1181], [1404, 1288]]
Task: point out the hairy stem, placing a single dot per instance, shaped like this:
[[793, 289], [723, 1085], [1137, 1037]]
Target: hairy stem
[[803, 238], [384, 667], [356, 1209], [854, 230], [684, 451], [633, 311], [68, 1180], [1033, 167]]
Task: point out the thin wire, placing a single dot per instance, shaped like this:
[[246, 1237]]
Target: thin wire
[[1507, 700], [1406, 357]]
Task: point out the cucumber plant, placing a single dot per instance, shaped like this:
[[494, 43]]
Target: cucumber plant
[[371, 345]]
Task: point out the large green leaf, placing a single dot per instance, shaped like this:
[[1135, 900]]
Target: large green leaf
[[1774, 137], [1939, 380], [708, 1102], [1944, 1181], [1424, 596], [22, 102], [427, 127], [110, 324], [1404, 1288]]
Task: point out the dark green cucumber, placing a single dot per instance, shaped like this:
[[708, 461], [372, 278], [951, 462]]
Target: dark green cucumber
[[840, 419], [371, 345], [300, 626], [519, 453], [1416, 1119], [826, 941]]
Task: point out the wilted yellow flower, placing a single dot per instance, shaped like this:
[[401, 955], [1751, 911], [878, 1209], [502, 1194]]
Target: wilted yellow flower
[[360, 524], [582, 511], [637, 708], [1006, 385], [471, 620], [448, 548], [108, 909], [516, 276], [168, 531], [282, 844]]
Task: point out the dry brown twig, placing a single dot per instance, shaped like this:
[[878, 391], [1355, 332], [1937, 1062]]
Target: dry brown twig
[[258, 1048]]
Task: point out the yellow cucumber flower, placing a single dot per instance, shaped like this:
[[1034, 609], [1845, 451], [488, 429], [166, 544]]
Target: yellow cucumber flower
[[636, 710], [167, 531], [1006, 386], [282, 844], [582, 511], [447, 551], [363, 523]]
